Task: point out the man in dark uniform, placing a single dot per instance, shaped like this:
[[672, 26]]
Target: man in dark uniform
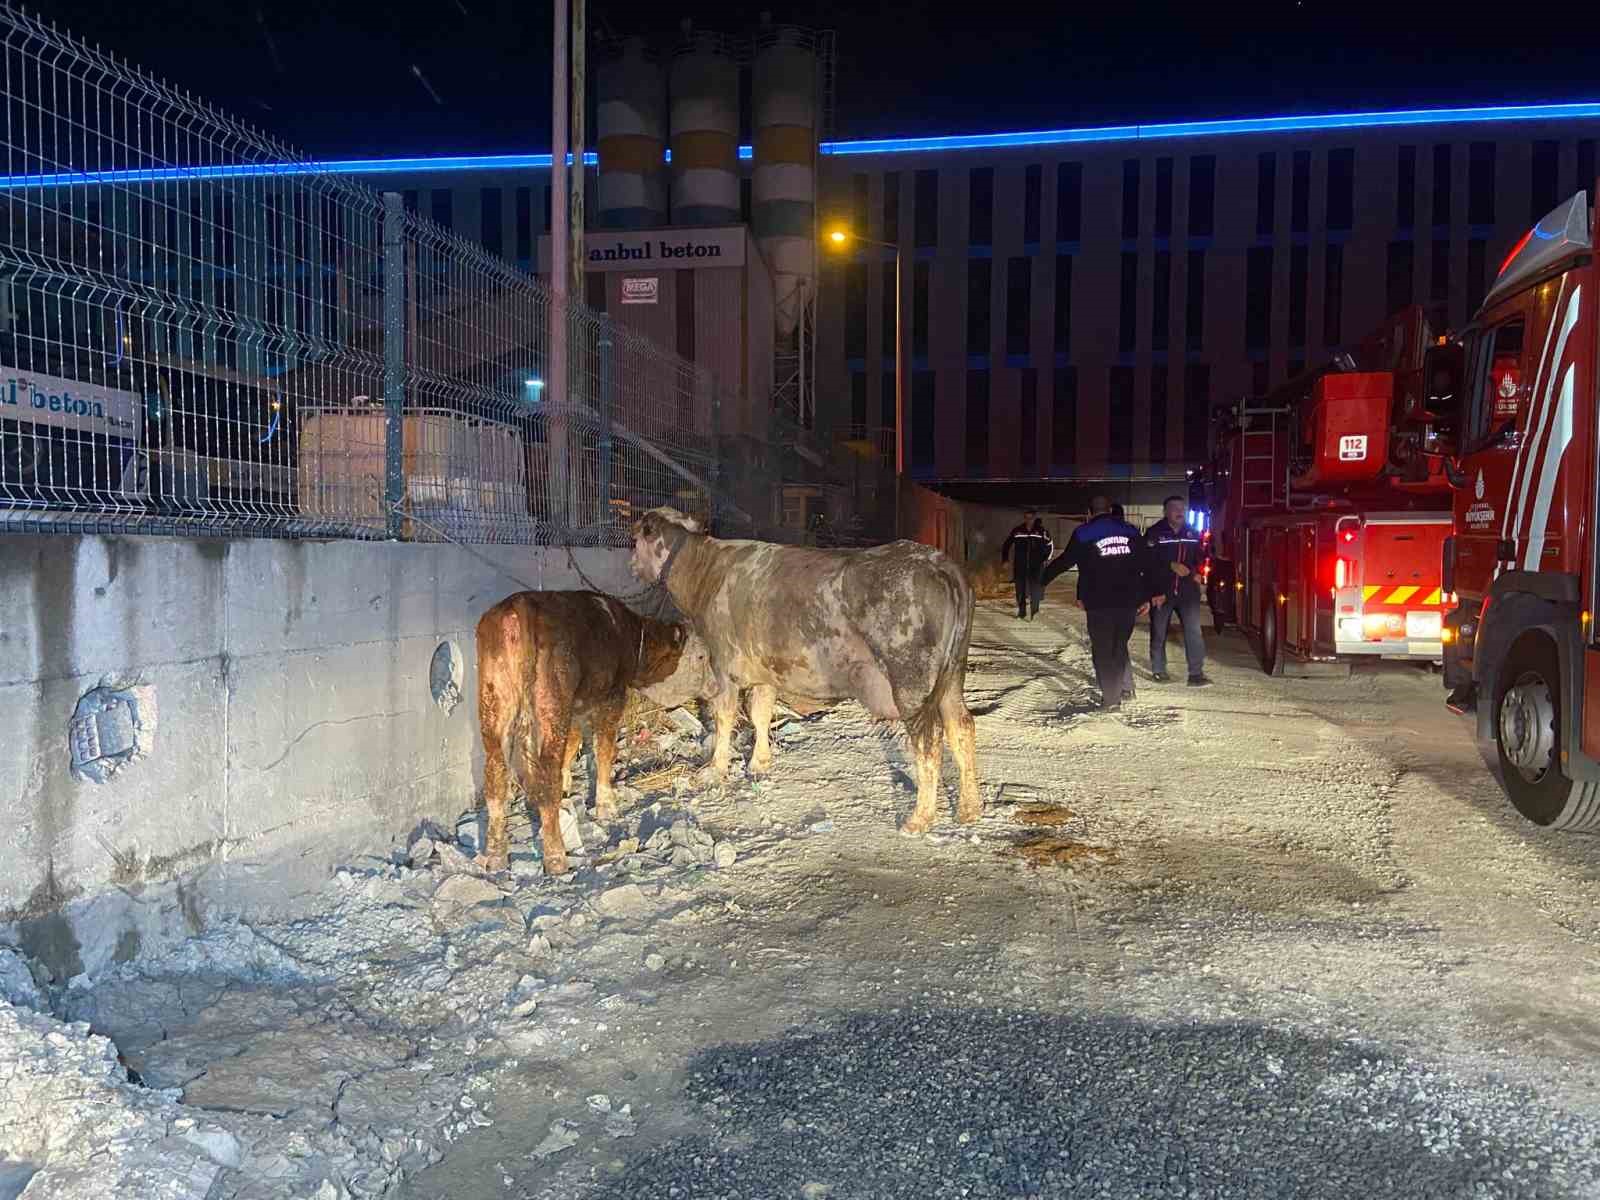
[[1175, 554], [1028, 547], [1114, 588]]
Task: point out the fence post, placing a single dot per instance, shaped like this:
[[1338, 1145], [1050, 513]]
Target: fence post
[[394, 360], [607, 398]]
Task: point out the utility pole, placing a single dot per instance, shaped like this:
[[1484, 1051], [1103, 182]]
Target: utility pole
[[580, 351], [559, 382]]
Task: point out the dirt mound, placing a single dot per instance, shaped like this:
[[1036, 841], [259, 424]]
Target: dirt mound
[[1046, 850], [1044, 814]]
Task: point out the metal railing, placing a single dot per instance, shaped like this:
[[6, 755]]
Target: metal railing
[[202, 332]]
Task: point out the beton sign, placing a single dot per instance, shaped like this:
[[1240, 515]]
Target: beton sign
[[66, 404], [631, 249]]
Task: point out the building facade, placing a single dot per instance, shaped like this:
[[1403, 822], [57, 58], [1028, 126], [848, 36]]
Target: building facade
[[1074, 302]]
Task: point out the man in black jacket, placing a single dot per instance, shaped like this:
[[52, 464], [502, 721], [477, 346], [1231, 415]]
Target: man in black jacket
[[1032, 547], [1175, 553], [1114, 587]]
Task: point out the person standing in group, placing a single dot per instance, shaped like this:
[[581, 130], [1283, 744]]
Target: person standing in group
[[1176, 550], [1028, 547], [1114, 588]]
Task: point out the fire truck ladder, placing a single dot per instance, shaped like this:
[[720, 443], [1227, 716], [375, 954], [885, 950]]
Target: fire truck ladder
[[1265, 474]]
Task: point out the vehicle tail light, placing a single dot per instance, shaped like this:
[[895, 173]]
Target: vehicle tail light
[[1341, 572]]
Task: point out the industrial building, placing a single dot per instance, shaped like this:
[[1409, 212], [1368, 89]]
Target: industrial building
[[1073, 301]]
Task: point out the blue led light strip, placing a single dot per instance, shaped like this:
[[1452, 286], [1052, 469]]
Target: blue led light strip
[[976, 141]]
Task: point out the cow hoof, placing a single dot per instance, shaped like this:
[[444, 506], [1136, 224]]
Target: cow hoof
[[555, 864], [605, 811], [916, 823], [712, 776], [499, 861], [966, 814], [760, 767]]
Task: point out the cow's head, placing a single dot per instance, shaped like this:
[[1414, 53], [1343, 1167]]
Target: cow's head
[[654, 536], [676, 667]]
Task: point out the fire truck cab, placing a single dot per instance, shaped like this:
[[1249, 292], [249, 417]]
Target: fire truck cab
[[1518, 387]]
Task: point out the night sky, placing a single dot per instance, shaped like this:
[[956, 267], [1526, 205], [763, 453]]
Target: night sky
[[340, 78]]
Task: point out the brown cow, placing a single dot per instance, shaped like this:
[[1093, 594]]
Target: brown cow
[[548, 661], [888, 627]]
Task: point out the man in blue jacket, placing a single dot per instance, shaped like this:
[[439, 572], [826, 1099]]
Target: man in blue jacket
[[1176, 550], [1114, 587], [1027, 548]]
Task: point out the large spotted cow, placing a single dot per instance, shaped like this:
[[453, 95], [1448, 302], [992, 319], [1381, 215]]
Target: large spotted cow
[[888, 627]]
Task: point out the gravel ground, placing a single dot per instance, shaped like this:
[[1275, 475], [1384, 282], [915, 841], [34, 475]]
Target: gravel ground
[[1287, 940]]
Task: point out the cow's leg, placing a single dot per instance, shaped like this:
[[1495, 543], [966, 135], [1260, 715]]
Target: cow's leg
[[544, 749], [762, 698], [725, 709], [603, 728], [927, 748], [574, 744], [960, 733], [496, 854]]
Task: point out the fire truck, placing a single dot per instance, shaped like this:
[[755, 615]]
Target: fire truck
[[1518, 388], [1329, 510]]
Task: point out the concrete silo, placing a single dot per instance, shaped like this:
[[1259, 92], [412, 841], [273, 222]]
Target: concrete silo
[[705, 131], [784, 79], [631, 131]]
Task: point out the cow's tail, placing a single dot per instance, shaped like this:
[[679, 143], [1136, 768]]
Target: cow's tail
[[924, 724], [513, 683]]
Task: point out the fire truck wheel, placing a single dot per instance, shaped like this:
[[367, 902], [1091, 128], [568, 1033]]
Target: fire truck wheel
[[1527, 725], [1219, 619], [1271, 641]]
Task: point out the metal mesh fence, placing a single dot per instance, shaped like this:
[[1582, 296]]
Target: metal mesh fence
[[202, 332]]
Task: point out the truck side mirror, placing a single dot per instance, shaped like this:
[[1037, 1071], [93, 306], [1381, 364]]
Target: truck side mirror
[[1444, 373]]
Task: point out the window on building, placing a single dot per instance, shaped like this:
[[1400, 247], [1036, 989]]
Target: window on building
[[1476, 249], [594, 291], [524, 225], [1341, 189], [891, 206], [1333, 296], [1032, 185], [977, 422], [980, 211], [1158, 414], [442, 207], [979, 281], [1260, 377], [1398, 276], [548, 210], [1194, 304], [925, 217], [1299, 259], [1441, 186], [886, 309], [746, 199], [1119, 445], [1069, 202], [409, 200], [1163, 197], [1196, 412], [1202, 195], [921, 420], [1130, 198], [1586, 178], [1063, 304], [855, 310], [1545, 186], [1266, 193], [1019, 304], [1439, 279], [492, 219], [1064, 417], [919, 310], [859, 189], [1028, 421], [1480, 183], [858, 404], [1128, 308], [1161, 302], [1300, 193], [886, 402], [1405, 195], [1258, 297]]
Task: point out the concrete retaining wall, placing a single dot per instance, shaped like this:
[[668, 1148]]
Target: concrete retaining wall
[[295, 723]]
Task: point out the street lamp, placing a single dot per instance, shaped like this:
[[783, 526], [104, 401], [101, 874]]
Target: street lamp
[[842, 237]]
